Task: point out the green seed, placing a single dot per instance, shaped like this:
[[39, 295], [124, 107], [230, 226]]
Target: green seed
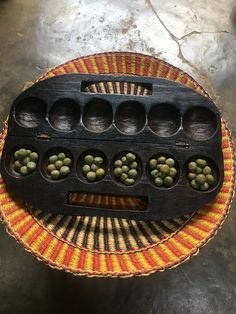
[[124, 160], [130, 157], [28, 152], [64, 171], [198, 170], [123, 177], [170, 162], [210, 179], [61, 156], [94, 167], [154, 173], [158, 182], [173, 172], [25, 161], [129, 181], [31, 165], [194, 184], [51, 167], [22, 153], [168, 181], [91, 176], [52, 159], [16, 155], [117, 172], [100, 173], [153, 163], [132, 173], [118, 163], [192, 166], [58, 164], [34, 156], [17, 165], [133, 165], [165, 169], [24, 170], [125, 169], [98, 161], [159, 166], [204, 186], [191, 176], [88, 160], [206, 170], [55, 174], [86, 169], [200, 179], [161, 160], [67, 162], [201, 162]]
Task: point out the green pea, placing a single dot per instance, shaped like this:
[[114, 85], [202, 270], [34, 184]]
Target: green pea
[[161, 160], [55, 174], [118, 163], [124, 160], [165, 169], [94, 167], [100, 173], [98, 161], [210, 179], [201, 162], [117, 172], [25, 161], [16, 155], [86, 169], [88, 160], [34, 156], [206, 170], [123, 177], [191, 176], [194, 184], [154, 173], [91, 176], [153, 163], [198, 170], [28, 151], [133, 165], [17, 165], [204, 186], [192, 166], [168, 181], [64, 171], [51, 159], [61, 156], [159, 166], [51, 167], [200, 179], [125, 169], [158, 182], [31, 166], [22, 153], [173, 172], [67, 161], [132, 173], [24, 170], [58, 164], [130, 157], [170, 162], [129, 181]]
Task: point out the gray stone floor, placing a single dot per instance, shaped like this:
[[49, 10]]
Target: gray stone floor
[[197, 36]]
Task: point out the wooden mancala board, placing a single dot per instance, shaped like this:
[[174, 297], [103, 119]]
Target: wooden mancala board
[[63, 114]]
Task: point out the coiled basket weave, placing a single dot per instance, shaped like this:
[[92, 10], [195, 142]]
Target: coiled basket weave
[[118, 247]]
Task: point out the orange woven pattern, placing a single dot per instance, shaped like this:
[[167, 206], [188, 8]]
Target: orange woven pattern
[[119, 247]]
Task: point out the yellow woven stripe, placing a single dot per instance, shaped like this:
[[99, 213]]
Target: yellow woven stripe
[[91, 233], [162, 231], [105, 64], [115, 263], [132, 65], [110, 85], [179, 246], [110, 235], [123, 64], [54, 222], [82, 64], [15, 214], [39, 240], [88, 263], [119, 235], [62, 228], [142, 260], [102, 261], [160, 68], [3, 196], [103, 89], [142, 63], [128, 262], [156, 257], [74, 259], [150, 69], [50, 249], [62, 70], [171, 256], [114, 62], [169, 225], [202, 222], [61, 255], [82, 231], [209, 214], [72, 66], [93, 62], [140, 235], [72, 231], [30, 232], [22, 223], [190, 238], [149, 232], [128, 233]]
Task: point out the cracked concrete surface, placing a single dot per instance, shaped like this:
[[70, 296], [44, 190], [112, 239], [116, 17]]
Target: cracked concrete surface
[[196, 36]]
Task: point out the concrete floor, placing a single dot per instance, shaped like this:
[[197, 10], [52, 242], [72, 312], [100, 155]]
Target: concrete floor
[[197, 36]]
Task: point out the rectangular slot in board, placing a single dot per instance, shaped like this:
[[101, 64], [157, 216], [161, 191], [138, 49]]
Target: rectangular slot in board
[[112, 87], [107, 201]]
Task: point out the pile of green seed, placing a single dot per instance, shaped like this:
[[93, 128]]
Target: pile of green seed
[[163, 171], [200, 175], [92, 168], [126, 169], [25, 161], [59, 166]]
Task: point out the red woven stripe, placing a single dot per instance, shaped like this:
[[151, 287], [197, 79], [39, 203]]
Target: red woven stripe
[[110, 64], [161, 253], [45, 244], [34, 236], [135, 262], [18, 218], [193, 234], [81, 259], [99, 64], [26, 227], [89, 66], [173, 249], [149, 258], [68, 255], [184, 242], [122, 263], [56, 251], [96, 262], [109, 263]]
